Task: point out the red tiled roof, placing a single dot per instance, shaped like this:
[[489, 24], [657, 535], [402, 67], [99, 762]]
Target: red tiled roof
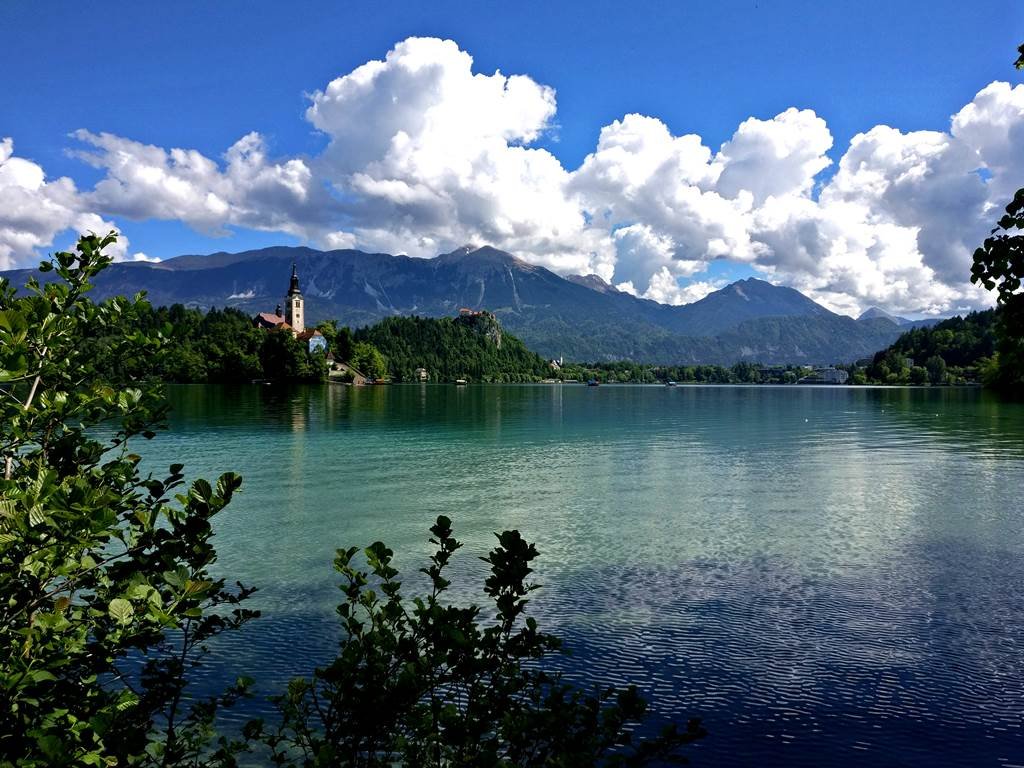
[[269, 320]]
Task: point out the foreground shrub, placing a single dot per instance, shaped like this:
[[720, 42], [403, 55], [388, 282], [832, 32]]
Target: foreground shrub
[[106, 602], [428, 683]]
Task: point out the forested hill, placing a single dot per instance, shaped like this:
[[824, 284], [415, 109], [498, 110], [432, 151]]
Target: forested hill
[[472, 347], [953, 350]]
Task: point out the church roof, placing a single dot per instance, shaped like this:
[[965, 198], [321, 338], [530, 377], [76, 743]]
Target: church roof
[[293, 286], [269, 320]]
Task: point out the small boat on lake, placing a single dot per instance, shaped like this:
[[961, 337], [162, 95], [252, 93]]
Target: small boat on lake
[[460, 382], [670, 383], [593, 383]]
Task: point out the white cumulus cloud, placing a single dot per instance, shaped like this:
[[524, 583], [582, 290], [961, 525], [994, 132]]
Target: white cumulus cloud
[[143, 182], [429, 155], [34, 211], [424, 154], [769, 158]]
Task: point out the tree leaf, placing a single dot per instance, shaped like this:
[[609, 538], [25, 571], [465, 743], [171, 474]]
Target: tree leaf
[[121, 610]]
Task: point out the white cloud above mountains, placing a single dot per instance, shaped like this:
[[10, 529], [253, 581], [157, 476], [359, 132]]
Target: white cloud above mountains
[[147, 182], [34, 211], [423, 155], [429, 155]]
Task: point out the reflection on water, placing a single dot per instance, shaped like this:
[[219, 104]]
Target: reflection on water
[[825, 575]]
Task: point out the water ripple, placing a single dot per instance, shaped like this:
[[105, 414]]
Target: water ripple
[[825, 575]]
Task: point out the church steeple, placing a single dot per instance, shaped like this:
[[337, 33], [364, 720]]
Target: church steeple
[[293, 311]]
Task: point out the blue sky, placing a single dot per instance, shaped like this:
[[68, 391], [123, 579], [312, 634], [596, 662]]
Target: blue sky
[[200, 76]]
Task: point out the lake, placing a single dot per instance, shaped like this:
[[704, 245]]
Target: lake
[[825, 575]]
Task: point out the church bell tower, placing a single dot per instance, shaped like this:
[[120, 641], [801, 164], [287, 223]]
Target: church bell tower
[[293, 309]]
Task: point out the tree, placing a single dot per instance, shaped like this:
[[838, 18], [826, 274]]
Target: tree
[[343, 344], [106, 600], [936, 369], [283, 356], [368, 360], [999, 266], [329, 328], [428, 683]]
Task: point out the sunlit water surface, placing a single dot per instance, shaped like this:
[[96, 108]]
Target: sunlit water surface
[[823, 575]]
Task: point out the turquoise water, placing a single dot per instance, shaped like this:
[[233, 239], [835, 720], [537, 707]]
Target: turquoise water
[[824, 575]]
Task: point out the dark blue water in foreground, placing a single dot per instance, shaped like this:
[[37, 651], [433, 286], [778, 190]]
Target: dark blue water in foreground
[[826, 576]]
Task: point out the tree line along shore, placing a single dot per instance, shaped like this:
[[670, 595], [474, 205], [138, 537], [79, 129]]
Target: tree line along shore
[[223, 346]]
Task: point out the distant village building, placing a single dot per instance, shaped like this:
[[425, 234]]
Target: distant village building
[[421, 374], [834, 376], [314, 340], [828, 375]]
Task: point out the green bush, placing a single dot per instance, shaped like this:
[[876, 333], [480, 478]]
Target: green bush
[[425, 682], [106, 601]]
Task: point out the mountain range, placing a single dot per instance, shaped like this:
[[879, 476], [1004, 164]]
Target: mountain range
[[579, 317]]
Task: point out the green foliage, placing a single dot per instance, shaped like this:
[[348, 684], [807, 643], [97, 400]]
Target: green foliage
[[950, 351], [999, 266], [624, 371], [918, 375], [106, 601], [936, 367], [343, 344], [473, 347], [368, 360], [223, 346], [284, 357], [424, 682], [220, 346]]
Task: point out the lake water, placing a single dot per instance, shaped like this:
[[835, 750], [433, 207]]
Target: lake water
[[824, 575]]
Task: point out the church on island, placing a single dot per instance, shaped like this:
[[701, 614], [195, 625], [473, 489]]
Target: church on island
[[294, 317]]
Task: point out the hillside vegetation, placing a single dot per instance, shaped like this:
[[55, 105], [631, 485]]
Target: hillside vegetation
[[473, 347], [219, 346], [222, 346], [953, 351]]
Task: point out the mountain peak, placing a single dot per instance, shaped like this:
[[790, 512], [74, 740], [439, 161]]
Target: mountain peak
[[473, 251], [484, 255], [593, 282], [874, 312]]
